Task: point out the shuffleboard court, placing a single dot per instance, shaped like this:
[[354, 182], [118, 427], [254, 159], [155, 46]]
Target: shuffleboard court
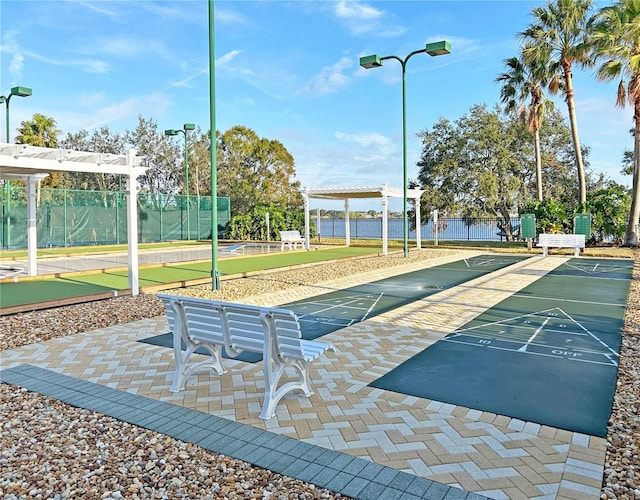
[[338, 309], [548, 354]]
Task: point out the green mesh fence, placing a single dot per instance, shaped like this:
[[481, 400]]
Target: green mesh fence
[[68, 217]]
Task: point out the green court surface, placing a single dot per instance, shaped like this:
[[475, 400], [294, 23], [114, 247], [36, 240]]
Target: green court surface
[[548, 354], [338, 309], [78, 285]]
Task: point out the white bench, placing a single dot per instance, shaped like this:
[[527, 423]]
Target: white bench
[[291, 239], [575, 241], [237, 327]]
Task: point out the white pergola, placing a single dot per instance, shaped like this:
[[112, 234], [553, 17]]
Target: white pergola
[[346, 193], [31, 164]]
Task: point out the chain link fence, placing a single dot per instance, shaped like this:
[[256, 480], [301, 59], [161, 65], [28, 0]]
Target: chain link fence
[[69, 217]]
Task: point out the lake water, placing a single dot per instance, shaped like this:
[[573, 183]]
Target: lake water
[[450, 229]]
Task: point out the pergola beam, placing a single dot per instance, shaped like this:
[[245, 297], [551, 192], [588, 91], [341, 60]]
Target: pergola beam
[[346, 193], [32, 163]]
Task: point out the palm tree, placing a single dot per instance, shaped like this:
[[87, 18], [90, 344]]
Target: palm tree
[[616, 34], [524, 81], [39, 131], [560, 33]]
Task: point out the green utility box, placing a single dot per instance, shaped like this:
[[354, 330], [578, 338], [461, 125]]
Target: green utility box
[[528, 226], [582, 225]]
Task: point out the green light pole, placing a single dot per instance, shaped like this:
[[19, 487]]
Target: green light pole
[[20, 92], [172, 132], [215, 274], [375, 61]]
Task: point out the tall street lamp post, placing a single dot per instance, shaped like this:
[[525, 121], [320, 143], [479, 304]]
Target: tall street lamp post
[[172, 131], [375, 61], [20, 92]]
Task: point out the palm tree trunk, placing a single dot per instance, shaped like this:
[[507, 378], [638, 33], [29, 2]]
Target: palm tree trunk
[[536, 136], [631, 238], [582, 185]]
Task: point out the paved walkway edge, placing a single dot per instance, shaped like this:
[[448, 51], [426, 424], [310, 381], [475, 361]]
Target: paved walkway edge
[[339, 472]]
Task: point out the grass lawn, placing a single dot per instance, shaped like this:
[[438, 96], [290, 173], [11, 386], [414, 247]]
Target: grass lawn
[[30, 291]]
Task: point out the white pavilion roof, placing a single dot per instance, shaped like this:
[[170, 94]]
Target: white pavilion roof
[[20, 160], [343, 193]]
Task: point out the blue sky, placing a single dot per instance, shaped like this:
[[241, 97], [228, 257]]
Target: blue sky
[[288, 70]]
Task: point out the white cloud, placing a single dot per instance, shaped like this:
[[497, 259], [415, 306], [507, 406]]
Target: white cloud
[[221, 61], [372, 149], [154, 104], [331, 78], [363, 19], [356, 11], [15, 66]]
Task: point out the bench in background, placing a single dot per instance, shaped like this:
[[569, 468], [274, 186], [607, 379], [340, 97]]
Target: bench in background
[[237, 327], [291, 239], [575, 241]]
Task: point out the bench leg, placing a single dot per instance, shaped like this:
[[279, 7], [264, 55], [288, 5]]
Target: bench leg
[[545, 251], [273, 371], [184, 370], [576, 252]]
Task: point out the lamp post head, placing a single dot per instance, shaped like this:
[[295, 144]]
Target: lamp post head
[[189, 126], [21, 91], [438, 48], [372, 61], [171, 131]]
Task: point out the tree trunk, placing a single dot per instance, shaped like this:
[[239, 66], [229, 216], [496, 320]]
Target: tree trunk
[[582, 185], [536, 136], [631, 238]]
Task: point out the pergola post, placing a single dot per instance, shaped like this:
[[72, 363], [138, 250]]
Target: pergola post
[[307, 232], [132, 224], [347, 225], [385, 221], [32, 232], [418, 223]]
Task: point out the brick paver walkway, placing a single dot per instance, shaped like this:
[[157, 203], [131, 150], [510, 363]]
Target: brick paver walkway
[[476, 451]]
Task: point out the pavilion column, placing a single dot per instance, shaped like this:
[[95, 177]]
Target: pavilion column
[[132, 224], [306, 218], [385, 221], [32, 228], [347, 225], [418, 224]]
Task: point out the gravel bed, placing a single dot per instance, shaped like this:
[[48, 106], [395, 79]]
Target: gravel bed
[[52, 450]]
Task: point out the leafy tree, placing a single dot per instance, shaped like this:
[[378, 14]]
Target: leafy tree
[[560, 33], [471, 167], [551, 216], [39, 131], [253, 226], [627, 162], [101, 141], [162, 156], [524, 81], [617, 46], [609, 207], [200, 162], [254, 170]]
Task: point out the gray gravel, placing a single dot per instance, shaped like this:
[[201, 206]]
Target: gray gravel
[[52, 450]]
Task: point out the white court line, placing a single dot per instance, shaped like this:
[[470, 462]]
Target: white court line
[[557, 299], [371, 308], [540, 313], [344, 305], [535, 334], [529, 353]]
